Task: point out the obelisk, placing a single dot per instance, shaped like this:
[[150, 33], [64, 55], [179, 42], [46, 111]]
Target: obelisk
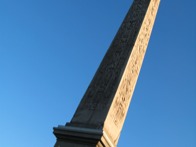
[[101, 113]]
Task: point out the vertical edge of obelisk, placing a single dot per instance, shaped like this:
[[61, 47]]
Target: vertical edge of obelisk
[[119, 107]]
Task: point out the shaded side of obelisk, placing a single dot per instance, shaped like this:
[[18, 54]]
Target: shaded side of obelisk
[[100, 115]]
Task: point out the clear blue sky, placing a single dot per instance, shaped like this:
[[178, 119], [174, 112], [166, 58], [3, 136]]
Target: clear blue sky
[[50, 50]]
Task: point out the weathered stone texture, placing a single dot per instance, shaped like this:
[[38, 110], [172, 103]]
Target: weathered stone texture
[[105, 104], [123, 95]]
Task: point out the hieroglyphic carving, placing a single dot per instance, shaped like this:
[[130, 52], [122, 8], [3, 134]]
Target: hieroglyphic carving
[[119, 68], [130, 76], [126, 87], [112, 66], [104, 106]]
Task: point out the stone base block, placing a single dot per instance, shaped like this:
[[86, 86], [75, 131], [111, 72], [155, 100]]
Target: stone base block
[[68, 136]]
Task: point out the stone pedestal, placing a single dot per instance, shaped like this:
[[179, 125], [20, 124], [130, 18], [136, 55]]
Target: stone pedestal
[[68, 136], [101, 113]]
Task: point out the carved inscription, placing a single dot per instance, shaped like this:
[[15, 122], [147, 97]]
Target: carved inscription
[[106, 79], [126, 87], [117, 74]]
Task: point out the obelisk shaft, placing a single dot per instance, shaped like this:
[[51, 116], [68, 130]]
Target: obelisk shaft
[[105, 104]]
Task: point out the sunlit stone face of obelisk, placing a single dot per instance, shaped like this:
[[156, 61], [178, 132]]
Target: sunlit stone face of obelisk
[[105, 104]]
